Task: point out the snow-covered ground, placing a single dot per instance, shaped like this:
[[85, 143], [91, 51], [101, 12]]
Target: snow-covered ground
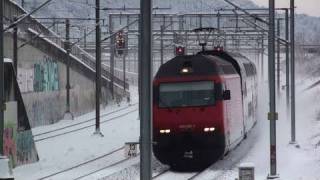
[[73, 149], [66, 151]]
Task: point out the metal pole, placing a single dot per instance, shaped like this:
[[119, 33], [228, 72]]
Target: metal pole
[[237, 22], [181, 22], [124, 73], [272, 115], [112, 49], [218, 20], [171, 22], [22, 3], [293, 95], [161, 43], [262, 57], [68, 114], [124, 65], [287, 61], [15, 48], [98, 68], [278, 57], [146, 88], [237, 30], [85, 38], [2, 99]]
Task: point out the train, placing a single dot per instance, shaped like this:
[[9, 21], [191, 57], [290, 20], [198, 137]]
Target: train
[[204, 105]]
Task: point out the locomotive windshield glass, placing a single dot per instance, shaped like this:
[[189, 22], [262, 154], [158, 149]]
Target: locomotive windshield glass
[[186, 94]]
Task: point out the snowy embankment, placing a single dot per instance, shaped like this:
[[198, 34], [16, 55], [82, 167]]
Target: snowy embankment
[[70, 150]]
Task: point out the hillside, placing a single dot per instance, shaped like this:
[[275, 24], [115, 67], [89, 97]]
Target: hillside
[[306, 32]]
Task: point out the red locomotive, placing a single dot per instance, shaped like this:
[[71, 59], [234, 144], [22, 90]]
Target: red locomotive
[[203, 106]]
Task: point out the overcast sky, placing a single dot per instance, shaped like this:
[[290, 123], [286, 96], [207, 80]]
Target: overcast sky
[[310, 7]]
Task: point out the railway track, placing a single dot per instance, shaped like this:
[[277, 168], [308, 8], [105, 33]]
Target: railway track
[[82, 122], [71, 128], [104, 168], [160, 174], [82, 170], [219, 169], [167, 174]]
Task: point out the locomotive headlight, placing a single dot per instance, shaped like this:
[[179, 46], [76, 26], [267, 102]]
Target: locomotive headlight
[[185, 70], [165, 131], [162, 131], [209, 129]]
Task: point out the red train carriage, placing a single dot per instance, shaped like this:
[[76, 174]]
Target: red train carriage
[[198, 109]]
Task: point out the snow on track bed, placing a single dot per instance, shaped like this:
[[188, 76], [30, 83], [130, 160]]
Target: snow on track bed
[[82, 169], [133, 172], [81, 122], [219, 169], [109, 169], [73, 149], [175, 175], [82, 125]]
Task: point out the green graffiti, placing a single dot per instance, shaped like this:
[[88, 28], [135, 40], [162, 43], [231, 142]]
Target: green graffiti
[[25, 147], [46, 76]]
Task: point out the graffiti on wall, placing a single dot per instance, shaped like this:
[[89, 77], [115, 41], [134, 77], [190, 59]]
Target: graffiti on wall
[[26, 151], [10, 149], [18, 145], [9, 135], [43, 76], [25, 79], [18, 140]]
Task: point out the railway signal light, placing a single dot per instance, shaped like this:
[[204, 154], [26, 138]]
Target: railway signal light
[[180, 51], [120, 42], [218, 48]]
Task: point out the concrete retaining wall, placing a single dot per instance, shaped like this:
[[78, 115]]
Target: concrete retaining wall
[[42, 81]]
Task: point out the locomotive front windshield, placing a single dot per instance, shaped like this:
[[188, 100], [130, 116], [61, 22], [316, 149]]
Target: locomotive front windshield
[[186, 94]]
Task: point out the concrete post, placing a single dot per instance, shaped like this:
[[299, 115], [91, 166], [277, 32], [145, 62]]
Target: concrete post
[[146, 88], [161, 43], [2, 99], [272, 115], [124, 64], [85, 38], [287, 60], [262, 57], [5, 169], [278, 57], [15, 48], [293, 94], [98, 68], [112, 51], [68, 115]]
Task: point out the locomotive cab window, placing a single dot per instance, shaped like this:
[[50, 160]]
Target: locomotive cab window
[[186, 94]]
